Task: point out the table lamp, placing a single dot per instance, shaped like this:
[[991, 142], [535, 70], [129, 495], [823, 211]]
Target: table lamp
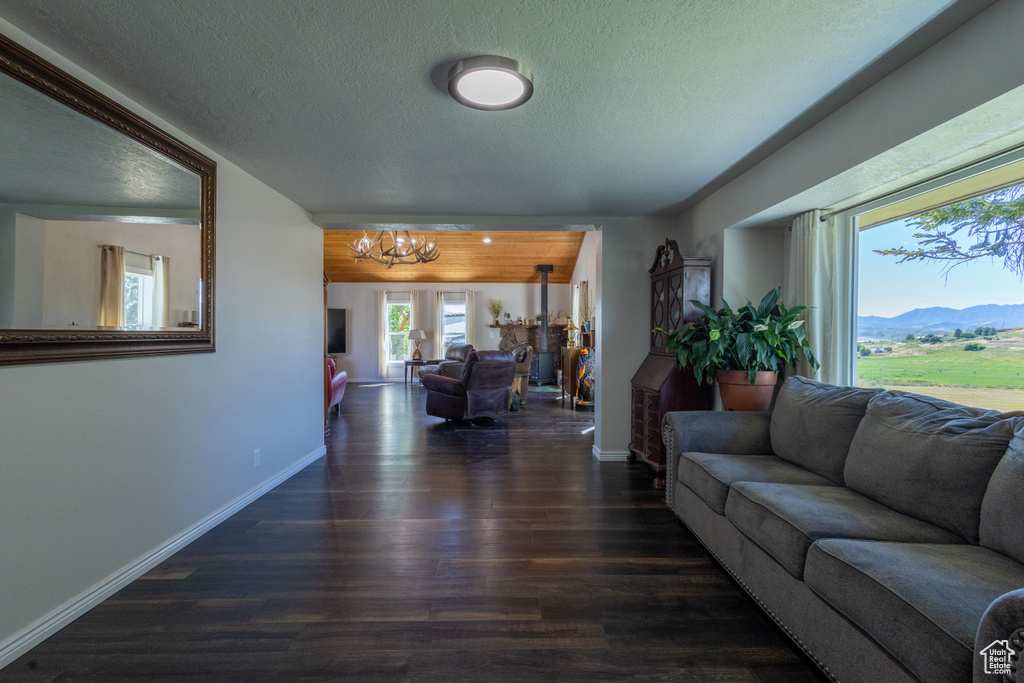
[[417, 336]]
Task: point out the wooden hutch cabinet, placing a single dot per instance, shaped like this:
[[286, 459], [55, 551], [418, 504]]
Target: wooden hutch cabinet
[[659, 387]]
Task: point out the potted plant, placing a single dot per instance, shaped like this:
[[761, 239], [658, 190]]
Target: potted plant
[[496, 306], [743, 349]]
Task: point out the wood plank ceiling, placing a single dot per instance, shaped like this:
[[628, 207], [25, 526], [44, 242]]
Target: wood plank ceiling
[[511, 256]]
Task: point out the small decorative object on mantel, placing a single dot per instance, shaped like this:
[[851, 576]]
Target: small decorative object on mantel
[[744, 349], [496, 307]]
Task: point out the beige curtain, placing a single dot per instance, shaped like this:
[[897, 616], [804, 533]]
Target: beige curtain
[[821, 277], [382, 333], [438, 324], [470, 318], [161, 291], [112, 286]]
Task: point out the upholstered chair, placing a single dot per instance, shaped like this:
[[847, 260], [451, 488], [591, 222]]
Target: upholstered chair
[[336, 381], [483, 390], [454, 359]]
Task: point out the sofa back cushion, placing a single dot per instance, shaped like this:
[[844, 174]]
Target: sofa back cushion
[[928, 458], [1002, 510], [813, 424]]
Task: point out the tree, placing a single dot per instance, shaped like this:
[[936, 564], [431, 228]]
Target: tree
[[993, 222], [974, 346], [863, 350], [909, 337], [959, 333]]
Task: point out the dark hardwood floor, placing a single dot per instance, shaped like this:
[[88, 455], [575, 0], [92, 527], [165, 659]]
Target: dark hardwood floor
[[421, 551]]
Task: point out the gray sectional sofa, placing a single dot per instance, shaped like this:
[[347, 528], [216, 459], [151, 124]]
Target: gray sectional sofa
[[883, 531]]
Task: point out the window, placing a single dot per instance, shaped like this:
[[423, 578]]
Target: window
[[138, 298], [453, 319], [399, 324], [953, 329]]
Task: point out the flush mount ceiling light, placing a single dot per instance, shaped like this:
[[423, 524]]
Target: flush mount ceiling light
[[490, 83]]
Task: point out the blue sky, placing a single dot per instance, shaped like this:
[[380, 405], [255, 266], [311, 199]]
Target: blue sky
[[888, 288]]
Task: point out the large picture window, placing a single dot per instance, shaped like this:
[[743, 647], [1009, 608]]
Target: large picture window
[[940, 302]]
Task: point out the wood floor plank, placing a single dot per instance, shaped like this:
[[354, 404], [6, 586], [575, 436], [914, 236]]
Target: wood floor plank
[[423, 551]]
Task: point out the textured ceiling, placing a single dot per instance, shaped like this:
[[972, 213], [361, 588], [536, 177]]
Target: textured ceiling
[[341, 106], [53, 155]]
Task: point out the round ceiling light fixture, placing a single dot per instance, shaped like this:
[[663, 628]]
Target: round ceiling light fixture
[[490, 83]]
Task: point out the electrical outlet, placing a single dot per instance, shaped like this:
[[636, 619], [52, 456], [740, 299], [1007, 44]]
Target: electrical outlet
[[492, 335], [256, 457]]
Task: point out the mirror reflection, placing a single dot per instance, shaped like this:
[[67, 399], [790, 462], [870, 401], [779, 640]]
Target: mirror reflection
[[97, 231]]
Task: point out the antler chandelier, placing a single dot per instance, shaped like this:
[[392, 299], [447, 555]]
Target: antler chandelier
[[388, 247]]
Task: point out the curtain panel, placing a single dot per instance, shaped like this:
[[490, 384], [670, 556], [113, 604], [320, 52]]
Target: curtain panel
[[438, 324], [382, 333], [161, 291], [111, 286], [470, 318], [821, 277]]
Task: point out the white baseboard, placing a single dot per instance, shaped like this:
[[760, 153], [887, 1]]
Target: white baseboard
[[609, 456], [35, 633]]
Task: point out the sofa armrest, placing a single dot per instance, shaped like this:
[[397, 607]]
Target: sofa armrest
[[1002, 621], [451, 368], [706, 431], [443, 385]]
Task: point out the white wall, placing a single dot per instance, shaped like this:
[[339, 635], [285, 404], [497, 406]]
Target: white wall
[[956, 102], [588, 265], [627, 249], [757, 260], [103, 463], [360, 300], [28, 283]]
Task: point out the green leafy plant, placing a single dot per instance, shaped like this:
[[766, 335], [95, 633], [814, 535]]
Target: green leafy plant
[[496, 307], [765, 337]]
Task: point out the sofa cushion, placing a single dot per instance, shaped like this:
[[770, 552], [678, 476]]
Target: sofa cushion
[[927, 458], [785, 519], [922, 602], [813, 424], [1002, 509], [710, 475]]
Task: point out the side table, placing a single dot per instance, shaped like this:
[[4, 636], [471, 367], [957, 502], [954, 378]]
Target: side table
[[411, 367]]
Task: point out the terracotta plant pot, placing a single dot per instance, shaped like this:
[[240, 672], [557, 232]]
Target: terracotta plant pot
[[738, 394]]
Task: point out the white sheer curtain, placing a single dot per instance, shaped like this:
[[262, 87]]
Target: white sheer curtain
[[470, 318], [112, 286], [438, 324], [161, 291], [382, 334], [821, 277]]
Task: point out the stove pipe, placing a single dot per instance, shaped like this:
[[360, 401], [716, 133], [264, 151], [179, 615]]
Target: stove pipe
[[544, 270]]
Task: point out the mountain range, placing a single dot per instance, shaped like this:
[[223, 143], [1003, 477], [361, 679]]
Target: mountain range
[[939, 319]]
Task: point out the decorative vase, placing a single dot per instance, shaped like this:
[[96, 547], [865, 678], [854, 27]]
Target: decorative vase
[[739, 394]]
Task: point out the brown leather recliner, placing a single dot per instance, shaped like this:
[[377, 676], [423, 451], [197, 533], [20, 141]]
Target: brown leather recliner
[[454, 360], [483, 390]]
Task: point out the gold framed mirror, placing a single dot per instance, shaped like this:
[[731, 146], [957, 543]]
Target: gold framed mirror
[[107, 236]]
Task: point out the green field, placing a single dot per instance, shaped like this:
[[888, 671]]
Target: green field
[[990, 378]]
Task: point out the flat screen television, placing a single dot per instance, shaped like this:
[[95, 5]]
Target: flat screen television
[[336, 330]]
